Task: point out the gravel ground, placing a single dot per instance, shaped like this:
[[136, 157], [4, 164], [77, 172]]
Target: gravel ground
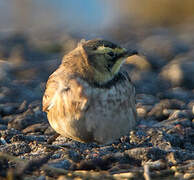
[[161, 147]]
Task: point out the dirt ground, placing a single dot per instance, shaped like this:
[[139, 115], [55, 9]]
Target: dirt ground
[[161, 147]]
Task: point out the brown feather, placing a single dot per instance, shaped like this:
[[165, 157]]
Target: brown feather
[[78, 109]]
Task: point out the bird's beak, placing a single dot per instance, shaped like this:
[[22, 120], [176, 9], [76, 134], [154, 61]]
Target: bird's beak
[[131, 52], [123, 53], [128, 53]]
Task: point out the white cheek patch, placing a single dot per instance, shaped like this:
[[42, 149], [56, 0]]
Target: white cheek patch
[[117, 65]]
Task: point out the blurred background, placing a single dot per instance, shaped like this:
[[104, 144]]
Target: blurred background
[[34, 35]]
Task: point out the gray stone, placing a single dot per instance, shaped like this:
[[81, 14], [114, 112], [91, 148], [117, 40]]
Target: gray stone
[[159, 49], [179, 72]]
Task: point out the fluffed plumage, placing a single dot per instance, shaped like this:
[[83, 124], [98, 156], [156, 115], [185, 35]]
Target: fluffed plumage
[[88, 102]]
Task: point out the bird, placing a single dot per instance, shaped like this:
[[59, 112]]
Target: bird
[[89, 98]]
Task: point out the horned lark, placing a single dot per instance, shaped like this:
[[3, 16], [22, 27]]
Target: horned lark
[[88, 98]]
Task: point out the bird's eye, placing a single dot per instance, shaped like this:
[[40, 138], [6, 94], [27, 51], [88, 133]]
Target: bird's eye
[[111, 53], [109, 66], [94, 48]]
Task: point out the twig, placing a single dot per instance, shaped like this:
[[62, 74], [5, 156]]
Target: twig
[[146, 172]]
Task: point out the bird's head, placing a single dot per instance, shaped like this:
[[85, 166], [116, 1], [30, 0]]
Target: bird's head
[[103, 59]]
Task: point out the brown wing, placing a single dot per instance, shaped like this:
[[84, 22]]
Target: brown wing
[[68, 93], [55, 85], [50, 93]]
